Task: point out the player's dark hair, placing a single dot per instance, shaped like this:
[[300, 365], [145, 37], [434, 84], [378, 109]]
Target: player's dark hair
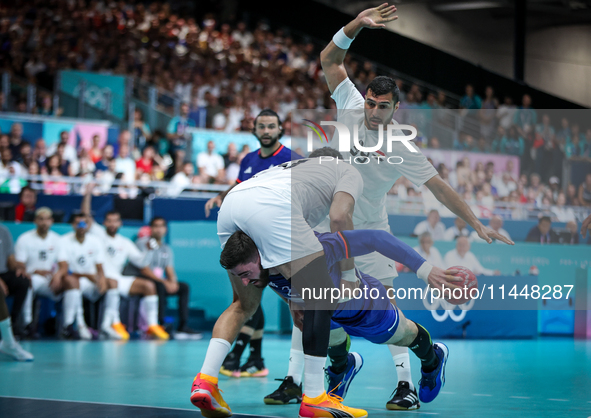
[[384, 85], [239, 249], [112, 212], [326, 152], [76, 216], [544, 218], [157, 218], [268, 112]]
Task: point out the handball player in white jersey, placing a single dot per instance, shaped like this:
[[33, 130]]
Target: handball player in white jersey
[[277, 209], [36, 255], [379, 174]]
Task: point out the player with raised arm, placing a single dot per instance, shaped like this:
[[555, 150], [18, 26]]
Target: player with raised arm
[[277, 208], [117, 250], [368, 114], [268, 130]]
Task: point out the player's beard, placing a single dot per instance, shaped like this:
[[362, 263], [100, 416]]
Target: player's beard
[[269, 141], [263, 280]]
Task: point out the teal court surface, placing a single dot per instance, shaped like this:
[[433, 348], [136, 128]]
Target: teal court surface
[[525, 378]]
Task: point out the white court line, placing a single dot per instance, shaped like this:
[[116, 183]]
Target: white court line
[[373, 388], [520, 397], [558, 400], [120, 404], [480, 394], [448, 393]]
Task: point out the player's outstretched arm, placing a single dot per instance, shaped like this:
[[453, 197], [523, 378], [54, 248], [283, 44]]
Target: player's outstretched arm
[[333, 55], [85, 207], [217, 201], [452, 200]]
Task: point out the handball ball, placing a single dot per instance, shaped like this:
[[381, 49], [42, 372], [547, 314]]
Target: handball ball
[[469, 282]]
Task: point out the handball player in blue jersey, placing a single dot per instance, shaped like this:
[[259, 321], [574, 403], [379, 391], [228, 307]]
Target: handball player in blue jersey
[[371, 317], [268, 130]]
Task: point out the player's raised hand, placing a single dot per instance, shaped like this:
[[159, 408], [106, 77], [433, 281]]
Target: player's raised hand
[[212, 203], [377, 17], [439, 277], [487, 233], [586, 225]]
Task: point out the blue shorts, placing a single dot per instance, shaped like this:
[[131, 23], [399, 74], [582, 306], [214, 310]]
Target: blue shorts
[[374, 319]]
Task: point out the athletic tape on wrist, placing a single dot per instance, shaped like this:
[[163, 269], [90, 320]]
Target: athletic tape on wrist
[[341, 40], [424, 271], [349, 276]]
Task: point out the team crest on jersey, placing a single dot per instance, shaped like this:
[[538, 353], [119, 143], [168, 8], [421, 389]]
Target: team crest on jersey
[[81, 260]]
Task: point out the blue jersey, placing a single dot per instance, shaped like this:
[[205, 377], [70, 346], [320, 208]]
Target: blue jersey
[[373, 318], [253, 163]]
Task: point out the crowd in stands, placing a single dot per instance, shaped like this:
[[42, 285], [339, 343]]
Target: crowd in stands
[[224, 73]]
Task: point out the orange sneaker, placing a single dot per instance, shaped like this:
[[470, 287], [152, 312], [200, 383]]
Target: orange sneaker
[[120, 329], [328, 405], [158, 332], [206, 396]]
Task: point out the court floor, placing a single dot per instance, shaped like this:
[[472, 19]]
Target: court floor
[[533, 378]]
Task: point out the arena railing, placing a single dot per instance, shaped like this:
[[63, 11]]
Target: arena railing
[[165, 189]]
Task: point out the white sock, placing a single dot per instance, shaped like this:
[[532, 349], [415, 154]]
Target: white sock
[[217, 351], [28, 308], [296, 365], [296, 356], [111, 308], [402, 363], [80, 313], [314, 375], [149, 309], [71, 298], [6, 332]]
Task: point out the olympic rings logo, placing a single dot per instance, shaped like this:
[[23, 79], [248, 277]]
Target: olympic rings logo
[[449, 309]]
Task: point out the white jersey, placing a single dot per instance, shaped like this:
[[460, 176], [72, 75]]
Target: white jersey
[[309, 184], [117, 251], [378, 174], [81, 258], [37, 253]]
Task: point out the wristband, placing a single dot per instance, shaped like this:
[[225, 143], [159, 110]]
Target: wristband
[[349, 276], [424, 271], [341, 40]]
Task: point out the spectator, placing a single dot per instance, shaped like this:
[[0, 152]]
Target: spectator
[[505, 186], [434, 143], [55, 186], [428, 251], [146, 162], [506, 113], [458, 230], [161, 262], [96, 152], [571, 226], [482, 146], [16, 139], [125, 164], [211, 165], [495, 223], [562, 213], [85, 166], [69, 153], [487, 113], [12, 283], [181, 180], [462, 256], [512, 144], [433, 225], [7, 165], [40, 153], [177, 131], [470, 101], [585, 191], [572, 199], [26, 155], [542, 232], [142, 134], [525, 117], [13, 182], [46, 108], [26, 206], [106, 157]]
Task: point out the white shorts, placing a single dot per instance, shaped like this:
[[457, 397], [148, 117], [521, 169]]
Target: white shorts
[[375, 264], [41, 287], [275, 224], [124, 284], [89, 290]]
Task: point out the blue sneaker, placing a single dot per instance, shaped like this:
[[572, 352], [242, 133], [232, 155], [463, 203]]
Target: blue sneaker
[[431, 383], [339, 384]]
